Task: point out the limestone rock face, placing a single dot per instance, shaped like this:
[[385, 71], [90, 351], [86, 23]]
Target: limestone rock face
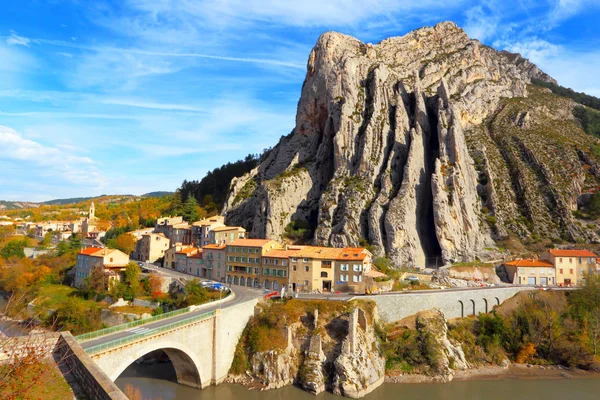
[[393, 144], [450, 357], [274, 369], [360, 368]]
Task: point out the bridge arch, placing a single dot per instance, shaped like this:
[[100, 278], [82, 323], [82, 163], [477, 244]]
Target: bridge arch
[[462, 309], [187, 367], [486, 305], [473, 306], [497, 301]]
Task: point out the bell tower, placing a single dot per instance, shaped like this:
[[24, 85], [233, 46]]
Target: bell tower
[[92, 212]]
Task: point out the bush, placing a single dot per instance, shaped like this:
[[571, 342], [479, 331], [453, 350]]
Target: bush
[[590, 119]]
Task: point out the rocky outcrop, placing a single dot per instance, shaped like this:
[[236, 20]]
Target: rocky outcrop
[[340, 354], [393, 144]]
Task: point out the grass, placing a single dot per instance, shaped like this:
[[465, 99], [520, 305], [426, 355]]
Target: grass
[[53, 295]]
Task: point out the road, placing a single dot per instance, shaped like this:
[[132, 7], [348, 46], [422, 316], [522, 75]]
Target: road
[[242, 294]]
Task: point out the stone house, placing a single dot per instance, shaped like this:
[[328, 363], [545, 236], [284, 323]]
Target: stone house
[[571, 266], [352, 268], [275, 268], [313, 268], [111, 260], [151, 247], [195, 264], [530, 272], [226, 234], [201, 229]]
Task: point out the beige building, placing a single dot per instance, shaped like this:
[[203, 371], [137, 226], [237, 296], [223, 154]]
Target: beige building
[[313, 268], [571, 265], [151, 247], [111, 260], [215, 262], [531, 272], [244, 260], [173, 256], [226, 234], [174, 228], [275, 269], [202, 229]]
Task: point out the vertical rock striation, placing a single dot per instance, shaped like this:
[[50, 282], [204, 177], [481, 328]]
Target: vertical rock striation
[[393, 144]]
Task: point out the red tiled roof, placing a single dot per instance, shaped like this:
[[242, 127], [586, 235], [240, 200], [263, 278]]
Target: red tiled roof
[[529, 263], [197, 255], [187, 250], [571, 253], [89, 251]]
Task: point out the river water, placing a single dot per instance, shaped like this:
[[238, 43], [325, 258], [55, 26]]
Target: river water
[[158, 382]]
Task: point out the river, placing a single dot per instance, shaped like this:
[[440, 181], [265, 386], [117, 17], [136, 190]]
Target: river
[[158, 382]]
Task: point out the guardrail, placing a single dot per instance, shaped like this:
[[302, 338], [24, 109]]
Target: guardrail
[[132, 324], [132, 338]]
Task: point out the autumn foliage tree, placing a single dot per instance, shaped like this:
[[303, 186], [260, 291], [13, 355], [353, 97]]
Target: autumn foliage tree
[[156, 283]]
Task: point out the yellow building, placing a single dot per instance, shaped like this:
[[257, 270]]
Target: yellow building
[[571, 265], [312, 268], [530, 272], [244, 261], [275, 270], [151, 247], [225, 234]]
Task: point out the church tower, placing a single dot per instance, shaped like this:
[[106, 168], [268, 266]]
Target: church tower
[[92, 212]]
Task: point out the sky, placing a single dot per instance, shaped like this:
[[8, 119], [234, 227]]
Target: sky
[[133, 96]]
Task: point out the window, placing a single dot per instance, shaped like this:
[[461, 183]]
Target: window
[[323, 274], [357, 278], [560, 259], [284, 262], [570, 260], [305, 260], [294, 259], [580, 260], [284, 273], [256, 251], [255, 271], [229, 268], [357, 267], [219, 256], [571, 271], [294, 268], [306, 268], [111, 260], [276, 262], [344, 278], [244, 259], [343, 267], [305, 283], [266, 260], [229, 258], [237, 259], [561, 271]]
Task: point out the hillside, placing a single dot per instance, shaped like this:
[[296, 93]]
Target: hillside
[[19, 205], [431, 147]]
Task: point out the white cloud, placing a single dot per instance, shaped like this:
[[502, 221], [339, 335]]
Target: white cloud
[[17, 40], [535, 49], [48, 163]]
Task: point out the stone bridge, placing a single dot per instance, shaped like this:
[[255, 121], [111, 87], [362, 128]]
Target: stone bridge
[[454, 303], [200, 344]]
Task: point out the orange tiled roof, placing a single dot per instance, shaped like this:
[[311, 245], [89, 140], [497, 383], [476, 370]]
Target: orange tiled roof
[[89, 251], [353, 254], [227, 228], [571, 253], [249, 242], [278, 253], [319, 252], [197, 255], [213, 246], [187, 250], [529, 263]]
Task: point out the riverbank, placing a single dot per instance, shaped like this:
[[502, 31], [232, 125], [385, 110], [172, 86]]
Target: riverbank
[[492, 372]]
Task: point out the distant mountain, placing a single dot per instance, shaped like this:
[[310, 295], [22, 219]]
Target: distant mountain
[[157, 194], [72, 200], [16, 205]]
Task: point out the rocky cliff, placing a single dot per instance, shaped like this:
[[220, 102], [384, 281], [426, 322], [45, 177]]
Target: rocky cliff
[[430, 146]]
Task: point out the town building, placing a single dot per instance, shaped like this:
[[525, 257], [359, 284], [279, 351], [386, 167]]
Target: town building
[[151, 247], [244, 260], [352, 269], [275, 268], [195, 263], [201, 229], [175, 229], [170, 260], [226, 234], [215, 262], [312, 268], [110, 260], [571, 265], [88, 226], [530, 272]]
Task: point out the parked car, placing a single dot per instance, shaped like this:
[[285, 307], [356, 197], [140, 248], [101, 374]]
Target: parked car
[[412, 278], [145, 270], [141, 264]]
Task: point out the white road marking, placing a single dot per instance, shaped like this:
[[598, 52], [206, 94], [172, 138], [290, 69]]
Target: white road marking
[[140, 330]]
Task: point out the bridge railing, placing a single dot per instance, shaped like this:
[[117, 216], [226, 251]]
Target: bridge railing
[[127, 325], [132, 338]]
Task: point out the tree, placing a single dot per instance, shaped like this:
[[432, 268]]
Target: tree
[[96, 282], [6, 231], [125, 242], [14, 248], [45, 243], [156, 284], [585, 308], [132, 278], [176, 207], [190, 210]]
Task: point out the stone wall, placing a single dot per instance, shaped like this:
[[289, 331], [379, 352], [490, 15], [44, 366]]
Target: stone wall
[[94, 382], [454, 303]]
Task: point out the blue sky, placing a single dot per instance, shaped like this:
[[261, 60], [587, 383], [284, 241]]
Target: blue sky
[[133, 96]]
